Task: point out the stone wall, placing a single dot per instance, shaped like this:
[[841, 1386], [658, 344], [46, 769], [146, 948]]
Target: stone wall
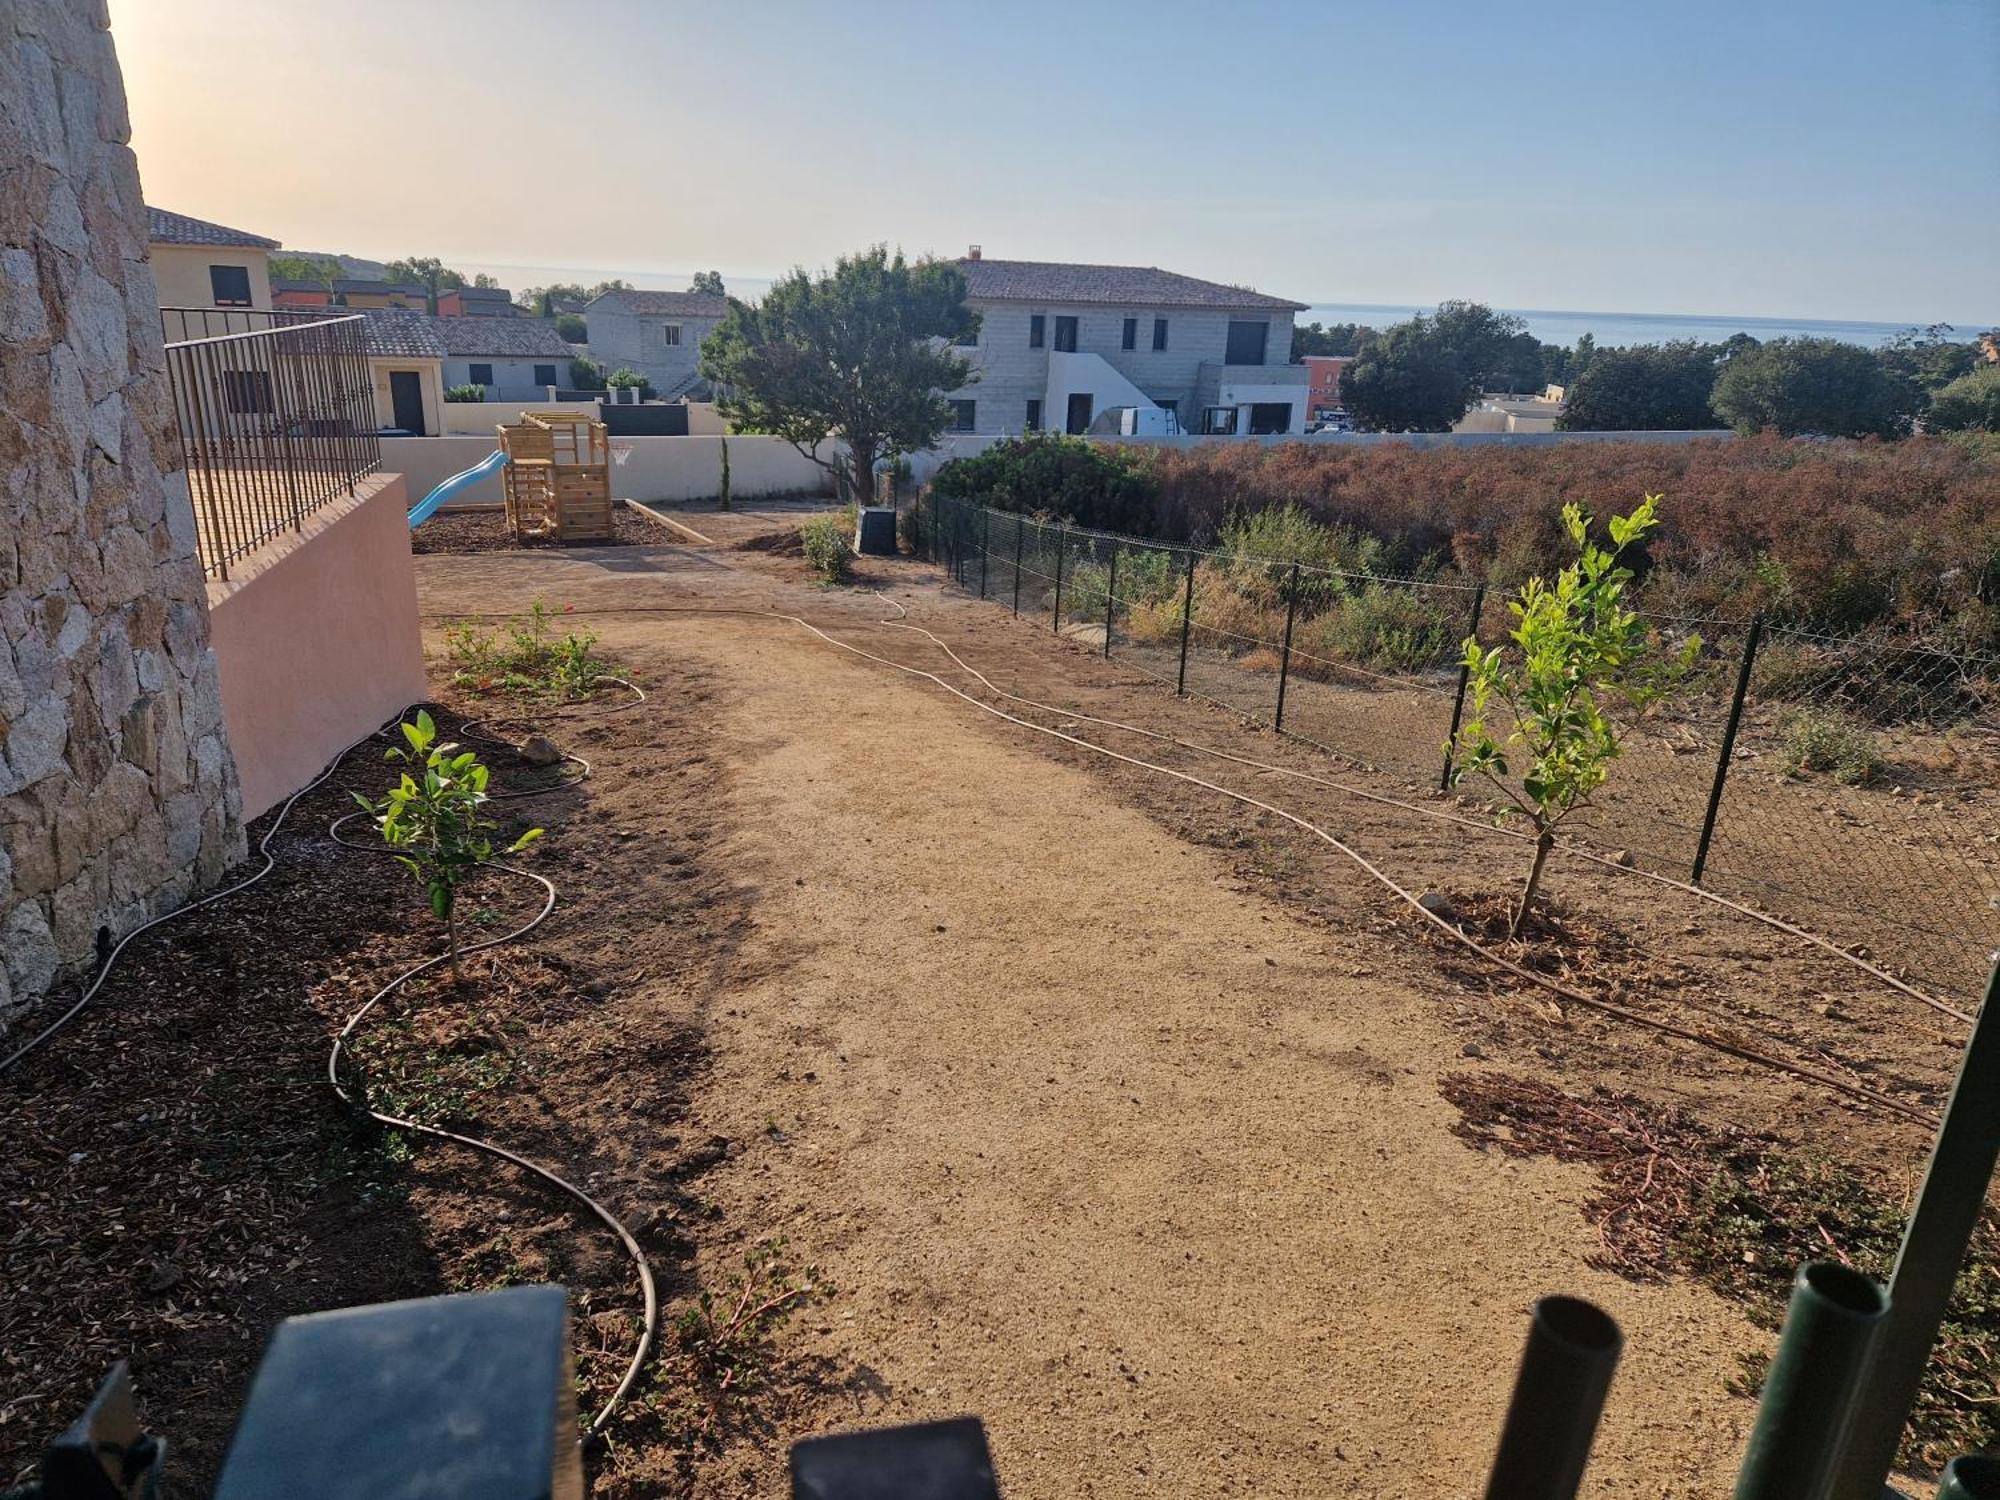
[[117, 792]]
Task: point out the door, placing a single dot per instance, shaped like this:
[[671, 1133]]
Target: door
[[1079, 412], [406, 401], [1267, 417]]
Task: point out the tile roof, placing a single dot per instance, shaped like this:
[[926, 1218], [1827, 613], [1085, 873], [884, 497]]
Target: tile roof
[[669, 304], [368, 287], [483, 293], [164, 228], [393, 333], [508, 338], [280, 284], [1141, 286]]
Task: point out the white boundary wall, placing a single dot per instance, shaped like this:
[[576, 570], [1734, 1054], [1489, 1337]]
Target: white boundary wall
[[658, 469]]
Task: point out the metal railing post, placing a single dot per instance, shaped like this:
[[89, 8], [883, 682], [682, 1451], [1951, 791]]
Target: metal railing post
[[1809, 1393], [1566, 1369], [1055, 626], [1728, 745], [985, 545], [1458, 702], [1187, 619], [1940, 1227], [1110, 601], [1285, 656], [1020, 532]]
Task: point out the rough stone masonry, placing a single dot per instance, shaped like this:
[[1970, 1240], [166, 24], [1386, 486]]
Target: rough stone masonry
[[117, 792]]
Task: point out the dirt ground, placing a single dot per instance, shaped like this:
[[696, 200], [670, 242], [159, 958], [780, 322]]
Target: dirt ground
[[1110, 1108], [1113, 1112]]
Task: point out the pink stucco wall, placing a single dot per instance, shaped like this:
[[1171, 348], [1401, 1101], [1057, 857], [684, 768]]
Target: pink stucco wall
[[317, 641]]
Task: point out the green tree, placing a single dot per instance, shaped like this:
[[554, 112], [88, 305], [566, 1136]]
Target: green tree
[[586, 375], [1576, 648], [432, 821], [321, 270], [427, 271], [1407, 379], [1490, 346], [1335, 338], [572, 328], [1970, 403], [483, 280], [863, 353], [1809, 385], [709, 282], [1648, 387]]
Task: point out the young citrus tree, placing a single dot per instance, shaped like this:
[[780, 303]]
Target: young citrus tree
[[1575, 648], [431, 819]]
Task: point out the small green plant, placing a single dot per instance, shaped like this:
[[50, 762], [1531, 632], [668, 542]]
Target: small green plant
[[1830, 744], [529, 658], [824, 541], [624, 378], [465, 393], [1575, 648], [431, 819], [725, 1342]]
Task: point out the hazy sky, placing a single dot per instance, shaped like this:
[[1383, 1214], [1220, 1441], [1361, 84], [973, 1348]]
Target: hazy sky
[[1822, 158]]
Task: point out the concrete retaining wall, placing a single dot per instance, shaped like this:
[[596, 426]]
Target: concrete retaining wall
[[657, 468]]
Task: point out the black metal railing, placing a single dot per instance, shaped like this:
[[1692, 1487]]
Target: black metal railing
[[277, 419]]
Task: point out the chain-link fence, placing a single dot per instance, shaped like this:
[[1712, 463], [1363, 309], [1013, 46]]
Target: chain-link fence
[[1851, 784]]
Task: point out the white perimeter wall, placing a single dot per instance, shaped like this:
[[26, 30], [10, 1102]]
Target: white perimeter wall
[[659, 468]]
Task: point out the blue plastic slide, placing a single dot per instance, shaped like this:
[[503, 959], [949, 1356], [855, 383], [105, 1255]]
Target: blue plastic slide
[[465, 479]]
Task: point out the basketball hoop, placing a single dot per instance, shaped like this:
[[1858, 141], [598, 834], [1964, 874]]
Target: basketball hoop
[[620, 452]]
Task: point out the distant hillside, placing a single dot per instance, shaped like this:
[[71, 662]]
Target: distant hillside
[[351, 266]]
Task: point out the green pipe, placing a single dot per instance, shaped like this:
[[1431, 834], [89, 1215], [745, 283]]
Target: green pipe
[[1970, 1479], [1934, 1241], [1809, 1393], [1566, 1368]]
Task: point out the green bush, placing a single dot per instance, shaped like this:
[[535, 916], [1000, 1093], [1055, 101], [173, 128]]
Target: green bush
[[825, 542], [1259, 543], [624, 378], [1970, 403], [1088, 484], [527, 658], [1819, 741], [1387, 628], [465, 393]]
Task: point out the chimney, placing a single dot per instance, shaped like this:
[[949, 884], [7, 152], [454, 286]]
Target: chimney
[[972, 252]]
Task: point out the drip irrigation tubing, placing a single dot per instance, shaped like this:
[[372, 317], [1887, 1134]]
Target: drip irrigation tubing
[[641, 1265], [1742, 1053]]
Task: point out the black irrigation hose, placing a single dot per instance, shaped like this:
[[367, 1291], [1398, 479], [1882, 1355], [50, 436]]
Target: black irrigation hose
[[649, 1294]]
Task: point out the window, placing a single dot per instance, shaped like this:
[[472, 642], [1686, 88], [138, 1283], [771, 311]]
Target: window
[[1159, 333], [964, 415], [1038, 330], [1169, 404], [229, 285], [1034, 423], [1246, 342], [479, 374], [1065, 335], [670, 334], [1129, 338], [247, 391], [1267, 417], [545, 374], [1219, 420]]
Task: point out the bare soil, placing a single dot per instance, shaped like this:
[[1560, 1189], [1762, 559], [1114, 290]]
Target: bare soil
[[1111, 1108]]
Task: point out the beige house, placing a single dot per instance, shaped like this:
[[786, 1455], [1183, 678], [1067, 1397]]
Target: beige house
[[199, 264], [406, 369]]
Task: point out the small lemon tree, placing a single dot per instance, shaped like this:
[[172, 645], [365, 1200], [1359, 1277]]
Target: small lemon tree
[[1575, 648], [431, 819]]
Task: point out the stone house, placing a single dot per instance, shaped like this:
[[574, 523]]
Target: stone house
[[1068, 347], [516, 359], [658, 334]]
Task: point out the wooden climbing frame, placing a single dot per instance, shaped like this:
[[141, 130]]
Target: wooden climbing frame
[[558, 478]]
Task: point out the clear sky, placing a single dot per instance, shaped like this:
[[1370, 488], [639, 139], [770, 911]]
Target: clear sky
[[1815, 159]]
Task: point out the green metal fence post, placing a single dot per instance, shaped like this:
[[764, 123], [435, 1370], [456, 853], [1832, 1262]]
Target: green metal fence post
[[985, 545], [1110, 601], [1728, 745], [1020, 530], [1464, 676], [1934, 1242], [1566, 1369], [1187, 618], [1809, 1392], [1970, 1479], [1055, 625], [1285, 656]]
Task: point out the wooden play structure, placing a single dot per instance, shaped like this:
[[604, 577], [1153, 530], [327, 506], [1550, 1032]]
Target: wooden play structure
[[557, 478]]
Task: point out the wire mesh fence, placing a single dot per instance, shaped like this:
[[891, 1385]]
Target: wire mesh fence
[[1849, 784]]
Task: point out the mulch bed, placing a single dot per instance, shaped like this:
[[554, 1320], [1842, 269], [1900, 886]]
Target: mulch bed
[[178, 1176], [461, 531]]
